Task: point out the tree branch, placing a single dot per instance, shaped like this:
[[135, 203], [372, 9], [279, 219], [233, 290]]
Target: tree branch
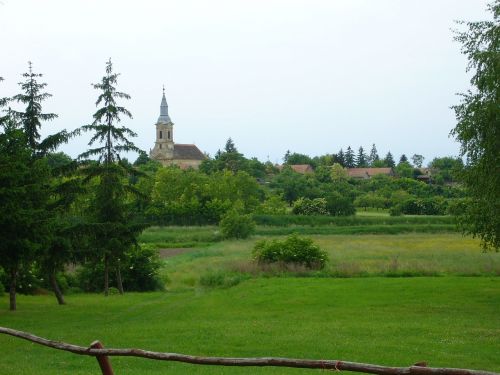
[[258, 362]]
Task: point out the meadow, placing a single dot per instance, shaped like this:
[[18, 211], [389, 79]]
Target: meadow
[[383, 298]]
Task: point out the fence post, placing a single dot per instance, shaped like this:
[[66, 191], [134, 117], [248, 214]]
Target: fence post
[[103, 360]]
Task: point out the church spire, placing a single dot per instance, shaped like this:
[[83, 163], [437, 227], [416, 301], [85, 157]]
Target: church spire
[[164, 117]]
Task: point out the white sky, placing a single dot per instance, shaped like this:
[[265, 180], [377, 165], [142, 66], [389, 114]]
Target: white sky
[[305, 75]]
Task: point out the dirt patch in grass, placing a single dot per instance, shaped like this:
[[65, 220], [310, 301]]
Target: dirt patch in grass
[[171, 252]]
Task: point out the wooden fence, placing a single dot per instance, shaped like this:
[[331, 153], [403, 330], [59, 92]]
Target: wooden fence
[[102, 355]]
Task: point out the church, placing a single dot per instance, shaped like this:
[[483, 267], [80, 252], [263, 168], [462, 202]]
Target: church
[[166, 151]]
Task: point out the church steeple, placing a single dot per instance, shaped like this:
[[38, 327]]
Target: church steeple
[[164, 117]]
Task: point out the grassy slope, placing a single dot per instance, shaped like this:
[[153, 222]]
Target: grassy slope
[[448, 321]]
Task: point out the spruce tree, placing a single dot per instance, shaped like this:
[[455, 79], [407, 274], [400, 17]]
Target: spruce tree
[[32, 96], [403, 159], [361, 161], [341, 158], [31, 118], [373, 156], [349, 158], [112, 227], [389, 160], [23, 193]]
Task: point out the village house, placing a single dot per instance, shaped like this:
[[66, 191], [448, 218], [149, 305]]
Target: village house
[[365, 173]]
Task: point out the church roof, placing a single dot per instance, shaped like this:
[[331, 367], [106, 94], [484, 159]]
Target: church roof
[[187, 152], [164, 117]]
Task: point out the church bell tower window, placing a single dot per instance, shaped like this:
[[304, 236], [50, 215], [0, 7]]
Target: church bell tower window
[[161, 134], [168, 134]]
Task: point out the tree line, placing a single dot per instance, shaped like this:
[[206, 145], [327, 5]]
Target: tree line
[[54, 210]]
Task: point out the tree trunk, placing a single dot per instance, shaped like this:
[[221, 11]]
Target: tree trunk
[[106, 275], [55, 287], [12, 289], [119, 278]]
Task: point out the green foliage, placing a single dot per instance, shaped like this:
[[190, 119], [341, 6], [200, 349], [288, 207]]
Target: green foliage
[[446, 169], [32, 96], [306, 206], [292, 220], [189, 197], [370, 199], [361, 159], [349, 159], [424, 206], [292, 250], [273, 205], [24, 193], [111, 225], [373, 157], [339, 204], [296, 158], [396, 210], [404, 169], [477, 129], [140, 266], [235, 224], [389, 160]]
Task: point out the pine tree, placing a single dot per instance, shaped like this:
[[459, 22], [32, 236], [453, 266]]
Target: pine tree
[[111, 223], [403, 159], [361, 161], [373, 156], [341, 158], [349, 158], [230, 147], [389, 160]]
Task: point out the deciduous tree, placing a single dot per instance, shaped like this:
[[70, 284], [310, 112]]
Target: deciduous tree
[[478, 127]]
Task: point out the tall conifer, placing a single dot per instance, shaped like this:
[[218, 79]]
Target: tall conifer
[[373, 157], [110, 225], [32, 95], [361, 160], [349, 158]]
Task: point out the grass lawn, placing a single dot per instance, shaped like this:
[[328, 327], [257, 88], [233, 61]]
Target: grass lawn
[[448, 321]]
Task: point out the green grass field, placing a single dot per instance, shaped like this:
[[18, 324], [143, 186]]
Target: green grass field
[[218, 302], [413, 254], [448, 321]]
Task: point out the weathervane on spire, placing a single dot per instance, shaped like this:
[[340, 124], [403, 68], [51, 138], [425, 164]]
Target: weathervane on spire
[[163, 89]]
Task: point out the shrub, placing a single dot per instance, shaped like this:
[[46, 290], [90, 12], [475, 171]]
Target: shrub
[[236, 225], [339, 205], [139, 269], [424, 206], [306, 206], [293, 250]]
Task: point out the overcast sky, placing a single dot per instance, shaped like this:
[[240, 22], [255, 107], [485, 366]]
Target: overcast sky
[[307, 76]]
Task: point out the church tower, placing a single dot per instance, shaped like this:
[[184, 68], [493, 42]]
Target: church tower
[[166, 151], [164, 145]]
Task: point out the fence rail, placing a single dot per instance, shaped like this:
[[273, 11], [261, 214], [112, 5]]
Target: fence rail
[[97, 350]]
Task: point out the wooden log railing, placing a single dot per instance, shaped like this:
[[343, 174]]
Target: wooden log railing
[[97, 350]]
